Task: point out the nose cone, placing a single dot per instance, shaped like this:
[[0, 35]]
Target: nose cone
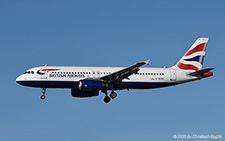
[[20, 79]]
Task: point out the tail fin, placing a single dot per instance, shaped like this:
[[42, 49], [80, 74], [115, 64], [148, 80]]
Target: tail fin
[[193, 58]]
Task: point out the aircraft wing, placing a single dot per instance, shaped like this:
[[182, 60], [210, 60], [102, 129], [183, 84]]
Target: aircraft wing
[[124, 73]]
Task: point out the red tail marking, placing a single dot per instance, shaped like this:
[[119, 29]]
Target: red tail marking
[[201, 47], [207, 74], [187, 67]]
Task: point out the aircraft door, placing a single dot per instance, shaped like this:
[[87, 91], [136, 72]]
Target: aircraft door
[[173, 75], [44, 72]]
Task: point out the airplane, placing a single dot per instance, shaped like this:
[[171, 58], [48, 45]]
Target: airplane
[[88, 81]]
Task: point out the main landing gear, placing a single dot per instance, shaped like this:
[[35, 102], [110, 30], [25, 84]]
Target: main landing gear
[[43, 93], [113, 95], [107, 99]]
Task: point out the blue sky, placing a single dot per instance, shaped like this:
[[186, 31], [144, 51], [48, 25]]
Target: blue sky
[[110, 33]]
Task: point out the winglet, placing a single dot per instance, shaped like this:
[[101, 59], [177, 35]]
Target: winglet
[[147, 62]]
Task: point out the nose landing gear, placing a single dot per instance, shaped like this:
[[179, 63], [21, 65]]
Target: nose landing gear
[[43, 93]]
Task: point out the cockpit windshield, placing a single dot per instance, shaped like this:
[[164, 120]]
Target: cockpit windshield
[[29, 72]]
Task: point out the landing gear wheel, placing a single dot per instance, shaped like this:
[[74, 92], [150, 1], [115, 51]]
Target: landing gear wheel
[[42, 97], [113, 95], [107, 99], [43, 93]]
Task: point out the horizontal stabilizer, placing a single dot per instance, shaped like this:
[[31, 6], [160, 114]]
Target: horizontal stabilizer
[[201, 72]]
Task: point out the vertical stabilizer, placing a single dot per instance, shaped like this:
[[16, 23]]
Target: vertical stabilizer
[[193, 58]]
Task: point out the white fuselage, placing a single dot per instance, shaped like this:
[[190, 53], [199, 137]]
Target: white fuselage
[[69, 77]]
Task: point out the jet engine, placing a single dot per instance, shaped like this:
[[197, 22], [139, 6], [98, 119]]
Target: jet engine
[[78, 93], [92, 85]]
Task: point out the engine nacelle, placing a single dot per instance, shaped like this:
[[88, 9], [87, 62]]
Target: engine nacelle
[[78, 93], [92, 85]]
